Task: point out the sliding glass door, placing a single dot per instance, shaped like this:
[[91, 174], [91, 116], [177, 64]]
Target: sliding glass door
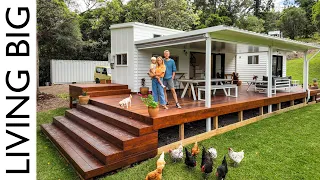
[[277, 65]]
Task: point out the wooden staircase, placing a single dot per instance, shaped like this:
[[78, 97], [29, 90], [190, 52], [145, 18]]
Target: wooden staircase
[[97, 139]]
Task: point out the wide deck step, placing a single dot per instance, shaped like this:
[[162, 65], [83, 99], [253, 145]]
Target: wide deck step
[[96, 102], [135, 127], [83, 161], [105, 151], [117, 136], [108, 92]]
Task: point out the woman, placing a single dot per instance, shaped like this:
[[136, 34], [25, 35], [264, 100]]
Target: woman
[[157, 90]]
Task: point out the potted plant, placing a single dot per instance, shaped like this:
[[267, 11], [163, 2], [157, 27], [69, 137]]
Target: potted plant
[[84, 98], [144, 90], [153, 108]]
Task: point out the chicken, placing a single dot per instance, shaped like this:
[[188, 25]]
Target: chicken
[[206, 162], [155, 175], [190, 160], [176, 154], [161, 162], [222, 170], [195, 150], [213, 153], [236, 157]]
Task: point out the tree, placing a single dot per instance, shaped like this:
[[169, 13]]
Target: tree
[[271, 21], [316, 15], [175, 14], [251, 23], [58, 34], [307, 5], [292, 22]]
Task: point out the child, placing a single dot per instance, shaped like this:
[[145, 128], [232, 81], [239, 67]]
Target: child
[[152, 71]]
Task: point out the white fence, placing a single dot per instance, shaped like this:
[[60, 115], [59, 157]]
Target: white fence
[[68, 71]]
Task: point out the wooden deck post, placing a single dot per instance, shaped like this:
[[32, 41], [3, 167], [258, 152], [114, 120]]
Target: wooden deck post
[[261, 110], [292, 103], [70, 103], [313, 98], [279, 106], [304, 101], [181, 131], [215, 122], [240, 116]]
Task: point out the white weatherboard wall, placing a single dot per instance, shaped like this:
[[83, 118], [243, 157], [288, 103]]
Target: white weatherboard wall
[[123, 37], [68, 71], [246, 71]]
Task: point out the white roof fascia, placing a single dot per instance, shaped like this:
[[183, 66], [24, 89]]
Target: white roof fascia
[[132, 24]]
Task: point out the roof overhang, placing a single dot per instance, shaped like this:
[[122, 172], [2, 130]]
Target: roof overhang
[[228, 35]]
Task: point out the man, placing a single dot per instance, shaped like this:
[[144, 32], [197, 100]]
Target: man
[[169, 76]]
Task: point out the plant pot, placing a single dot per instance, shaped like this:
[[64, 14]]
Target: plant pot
[[84, 99], [153, 112], [103, 81], [144, 90]]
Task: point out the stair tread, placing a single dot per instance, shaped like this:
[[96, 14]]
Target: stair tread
[[99, 143], [111, 90], [111, 129], [79, 155], [118, 117]]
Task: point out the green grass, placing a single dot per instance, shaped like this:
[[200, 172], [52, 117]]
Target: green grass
[[285, 146], [295, 68]]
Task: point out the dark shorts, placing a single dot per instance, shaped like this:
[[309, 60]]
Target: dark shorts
[[168, 83]]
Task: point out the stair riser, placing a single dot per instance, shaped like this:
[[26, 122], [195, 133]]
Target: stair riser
[[114, 140], [139, 141], [123, 163], [81, 141], [110, 120], [109, 93], [103, 88], [123, 112], [64, 153]]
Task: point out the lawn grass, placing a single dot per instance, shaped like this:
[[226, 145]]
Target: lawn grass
[[284, 146], [295, 68]]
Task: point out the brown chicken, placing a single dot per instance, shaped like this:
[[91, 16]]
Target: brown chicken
[[160, 161], [155, 175], [195, 150]]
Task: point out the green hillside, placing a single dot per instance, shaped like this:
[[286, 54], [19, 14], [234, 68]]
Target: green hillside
[[295, 68]]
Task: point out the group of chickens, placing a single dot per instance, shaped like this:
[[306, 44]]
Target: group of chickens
[[190, 160]]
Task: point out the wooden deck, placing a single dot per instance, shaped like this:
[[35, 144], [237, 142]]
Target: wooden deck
[[102, 136], [196, 110]]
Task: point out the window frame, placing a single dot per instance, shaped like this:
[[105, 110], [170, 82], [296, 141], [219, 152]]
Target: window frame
[[254, 59], [121, 61]]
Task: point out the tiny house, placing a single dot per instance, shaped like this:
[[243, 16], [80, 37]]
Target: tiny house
[[133, 44]]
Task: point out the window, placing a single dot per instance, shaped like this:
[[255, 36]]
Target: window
[[156, 35], [122, 59], [253, 59]]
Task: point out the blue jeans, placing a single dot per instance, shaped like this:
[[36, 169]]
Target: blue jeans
[[158, 92]]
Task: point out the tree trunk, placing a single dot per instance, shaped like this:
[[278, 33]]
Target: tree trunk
[[37, 54]]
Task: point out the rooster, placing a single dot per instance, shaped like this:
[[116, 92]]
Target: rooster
[[161, 162], [190, 160], [213, 153], [236, 157], [222, 170], [176, 154], [155, 175], [195, 150], [206, 162]]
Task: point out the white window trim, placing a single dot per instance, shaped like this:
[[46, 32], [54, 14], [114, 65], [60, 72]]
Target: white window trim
[[116, 60], [253, 60]]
